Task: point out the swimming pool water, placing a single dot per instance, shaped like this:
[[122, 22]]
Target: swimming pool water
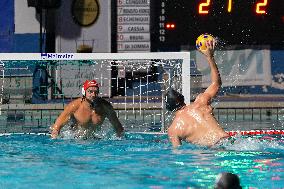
[[138, 161]]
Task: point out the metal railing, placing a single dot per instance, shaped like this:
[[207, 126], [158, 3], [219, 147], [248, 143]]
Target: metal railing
[[39, 120], [250, 114]]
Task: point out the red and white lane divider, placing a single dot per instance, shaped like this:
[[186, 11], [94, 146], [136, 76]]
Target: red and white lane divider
[[257, 132]]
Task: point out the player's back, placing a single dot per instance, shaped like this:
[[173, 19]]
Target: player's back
[[199, 125]]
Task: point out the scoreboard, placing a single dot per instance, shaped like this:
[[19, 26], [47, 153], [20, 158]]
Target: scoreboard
[[236, 23]]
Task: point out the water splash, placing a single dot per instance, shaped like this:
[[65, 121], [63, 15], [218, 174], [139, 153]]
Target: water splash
[[239, 143], [103, 133]]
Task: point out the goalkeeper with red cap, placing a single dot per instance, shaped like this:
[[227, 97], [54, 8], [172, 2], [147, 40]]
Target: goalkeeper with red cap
[[85, 115]]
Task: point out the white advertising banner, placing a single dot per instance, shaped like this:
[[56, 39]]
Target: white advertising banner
[[238, 67], [71, 77], [85, 27]]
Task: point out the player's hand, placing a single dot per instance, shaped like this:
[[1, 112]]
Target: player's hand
[[209, 52], [54, 133]]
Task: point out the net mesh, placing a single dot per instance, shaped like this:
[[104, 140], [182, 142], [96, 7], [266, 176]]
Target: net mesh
[[36, 91]]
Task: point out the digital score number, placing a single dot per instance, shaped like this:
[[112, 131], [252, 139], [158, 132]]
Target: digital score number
[[204, 6], [238, 23]]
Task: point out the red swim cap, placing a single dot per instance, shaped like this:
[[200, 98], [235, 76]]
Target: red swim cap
[[87, 84]]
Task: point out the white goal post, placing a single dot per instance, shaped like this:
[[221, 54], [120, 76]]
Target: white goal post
[[146, 77], [183, 56]]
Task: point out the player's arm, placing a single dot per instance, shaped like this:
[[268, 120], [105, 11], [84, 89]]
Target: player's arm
[[63, 117], [216, 82], [173, 134], [111, 115]]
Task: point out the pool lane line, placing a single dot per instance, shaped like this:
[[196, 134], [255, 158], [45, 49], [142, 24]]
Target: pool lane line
[[8, 134], [257, 132], [231, 133]]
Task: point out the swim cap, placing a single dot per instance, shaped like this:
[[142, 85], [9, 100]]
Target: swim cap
[[87, 84], [174, 100], [227, 181]]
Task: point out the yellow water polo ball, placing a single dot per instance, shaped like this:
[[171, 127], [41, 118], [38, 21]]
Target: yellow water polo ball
[[201, 41]]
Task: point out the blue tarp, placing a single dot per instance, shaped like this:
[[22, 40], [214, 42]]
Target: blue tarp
[[40, 84], [6, 25]]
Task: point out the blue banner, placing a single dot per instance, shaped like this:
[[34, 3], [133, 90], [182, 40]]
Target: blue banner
[[6, 25]]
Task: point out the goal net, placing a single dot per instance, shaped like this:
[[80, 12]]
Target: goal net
[[36, 87]]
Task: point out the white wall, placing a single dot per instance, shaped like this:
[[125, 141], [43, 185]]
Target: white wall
[[25, 18]]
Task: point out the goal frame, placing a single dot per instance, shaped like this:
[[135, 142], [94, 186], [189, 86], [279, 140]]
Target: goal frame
[[185, 56]]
